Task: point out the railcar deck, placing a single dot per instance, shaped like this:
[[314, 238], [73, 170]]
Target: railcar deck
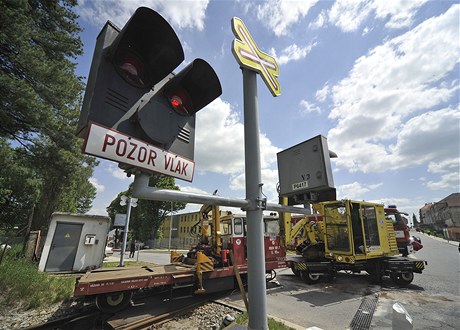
[[130, 278]]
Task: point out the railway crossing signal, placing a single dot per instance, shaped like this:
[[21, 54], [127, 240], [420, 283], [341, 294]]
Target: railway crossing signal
[[134, 101]]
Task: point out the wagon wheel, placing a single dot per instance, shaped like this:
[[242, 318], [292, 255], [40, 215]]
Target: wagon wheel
[[270, 276], [402, 279], [112, 302], [308, 277]]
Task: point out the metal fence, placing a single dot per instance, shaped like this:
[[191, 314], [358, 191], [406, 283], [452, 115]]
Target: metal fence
[[175, 244]]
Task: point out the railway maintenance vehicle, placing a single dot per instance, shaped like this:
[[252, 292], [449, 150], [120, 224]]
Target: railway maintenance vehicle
[[343, 235], [209, 266], [347, 235]]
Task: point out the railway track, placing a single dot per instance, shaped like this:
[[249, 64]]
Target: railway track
[[145, 313]]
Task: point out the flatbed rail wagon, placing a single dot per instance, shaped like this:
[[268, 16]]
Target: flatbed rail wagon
[[208, 267]]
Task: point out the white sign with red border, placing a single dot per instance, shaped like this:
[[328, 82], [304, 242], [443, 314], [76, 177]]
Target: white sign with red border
[[113, 145]]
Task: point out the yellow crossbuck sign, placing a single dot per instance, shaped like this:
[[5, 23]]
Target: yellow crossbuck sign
[[249, 56]]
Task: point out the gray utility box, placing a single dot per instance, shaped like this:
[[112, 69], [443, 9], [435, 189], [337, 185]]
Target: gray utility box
[[305, 172], [75, 243]]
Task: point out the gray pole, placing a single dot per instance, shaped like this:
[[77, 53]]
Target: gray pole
[[142, 190], [170, 228], [125, 234], [254, 212]]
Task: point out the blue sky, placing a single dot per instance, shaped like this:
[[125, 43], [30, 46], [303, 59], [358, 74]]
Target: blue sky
[[379, 79]]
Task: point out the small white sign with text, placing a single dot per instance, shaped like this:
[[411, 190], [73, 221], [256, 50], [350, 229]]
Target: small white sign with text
[[113, 145]]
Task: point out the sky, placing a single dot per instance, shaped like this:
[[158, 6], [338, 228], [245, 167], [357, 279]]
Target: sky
[[379, 79]]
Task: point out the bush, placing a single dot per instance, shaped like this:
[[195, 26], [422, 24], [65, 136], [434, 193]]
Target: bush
[[22, 284]]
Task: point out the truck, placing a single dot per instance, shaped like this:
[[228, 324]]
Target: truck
[[347, 235], [406, 245]]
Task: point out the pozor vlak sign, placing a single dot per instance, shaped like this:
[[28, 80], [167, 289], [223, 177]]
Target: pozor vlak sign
[[113, 145]]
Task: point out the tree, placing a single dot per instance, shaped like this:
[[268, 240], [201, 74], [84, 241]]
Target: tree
[[66, 187], [38, 39], [414, 219], [39, 109], [19, 188], [148, 216]]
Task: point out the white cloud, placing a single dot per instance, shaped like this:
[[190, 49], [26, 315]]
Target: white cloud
[[193, 190], [379, 107], [99, 187], [444, 166], [449, 170], [323, 93], [98, 211], [180, 14], [219, 139], [348, 15], [280, 14], [307, 107], [355, 190], [269, 178], [399, 13], [292, 53], [117, 172], [219, 129], [431, 137], [319, 22], [447, 181]]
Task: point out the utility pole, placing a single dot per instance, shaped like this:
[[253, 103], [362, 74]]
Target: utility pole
[[170, 227], [130, 202]]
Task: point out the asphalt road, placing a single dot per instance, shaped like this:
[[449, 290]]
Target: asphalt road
[[433, 298]]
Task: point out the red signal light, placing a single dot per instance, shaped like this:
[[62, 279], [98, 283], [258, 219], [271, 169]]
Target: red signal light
[[179, 101], [176, 102]]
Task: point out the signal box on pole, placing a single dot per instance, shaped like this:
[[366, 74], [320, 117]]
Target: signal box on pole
[[305, 172]]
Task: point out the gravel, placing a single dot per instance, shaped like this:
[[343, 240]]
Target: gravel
[[210, 316], [15, 318]]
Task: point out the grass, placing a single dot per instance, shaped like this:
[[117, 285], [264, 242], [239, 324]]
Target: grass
[[23, 286], [243, 319]]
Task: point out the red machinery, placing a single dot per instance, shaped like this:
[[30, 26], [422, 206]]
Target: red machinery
[[400, 225], [206, 268]]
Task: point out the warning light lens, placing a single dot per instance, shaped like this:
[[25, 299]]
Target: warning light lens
[[178, 101], [131, 68]]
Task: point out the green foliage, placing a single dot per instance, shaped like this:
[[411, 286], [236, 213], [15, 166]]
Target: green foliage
[[147, 217], [243, 319], [19, 187], [39, 110], [21, 281], [37, 81]]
